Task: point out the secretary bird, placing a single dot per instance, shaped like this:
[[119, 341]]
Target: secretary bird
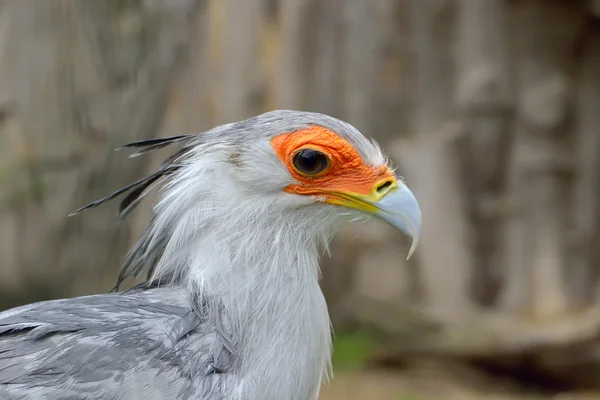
[[231, 308]]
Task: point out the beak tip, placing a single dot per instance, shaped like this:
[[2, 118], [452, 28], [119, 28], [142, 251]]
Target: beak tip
[[413, 247]]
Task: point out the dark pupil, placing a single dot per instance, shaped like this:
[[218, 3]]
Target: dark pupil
[[310, 161]]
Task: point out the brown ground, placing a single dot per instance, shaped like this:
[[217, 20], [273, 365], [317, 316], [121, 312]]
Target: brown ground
[[400, 386]]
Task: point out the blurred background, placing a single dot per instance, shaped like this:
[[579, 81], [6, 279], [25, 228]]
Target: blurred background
[[489, 108]]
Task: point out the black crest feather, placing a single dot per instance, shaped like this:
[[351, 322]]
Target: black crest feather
[[139, 189]]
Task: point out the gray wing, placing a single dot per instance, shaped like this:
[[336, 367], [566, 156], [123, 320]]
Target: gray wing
[[152, 344]]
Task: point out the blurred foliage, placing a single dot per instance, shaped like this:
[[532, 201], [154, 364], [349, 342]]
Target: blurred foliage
[[352, 350]]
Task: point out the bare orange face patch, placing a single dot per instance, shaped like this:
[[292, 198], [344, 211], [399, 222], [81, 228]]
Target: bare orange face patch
[[346, 171]]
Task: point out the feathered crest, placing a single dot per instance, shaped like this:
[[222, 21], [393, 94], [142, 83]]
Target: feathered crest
[[142, 187], [137, 190]]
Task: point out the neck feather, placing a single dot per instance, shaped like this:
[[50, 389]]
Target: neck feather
[[260, 266]]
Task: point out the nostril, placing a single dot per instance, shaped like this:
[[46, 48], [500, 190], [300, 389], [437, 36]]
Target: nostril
[[383, 187]]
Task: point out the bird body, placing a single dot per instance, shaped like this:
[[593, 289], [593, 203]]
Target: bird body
[[232, 308]]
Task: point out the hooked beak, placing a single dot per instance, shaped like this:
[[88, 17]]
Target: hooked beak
[[391, 201]]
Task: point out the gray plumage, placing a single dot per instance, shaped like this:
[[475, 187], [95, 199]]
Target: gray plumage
[[232, 308], [137, 345]]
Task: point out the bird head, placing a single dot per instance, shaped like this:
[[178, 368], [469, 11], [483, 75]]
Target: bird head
[[316, 166]]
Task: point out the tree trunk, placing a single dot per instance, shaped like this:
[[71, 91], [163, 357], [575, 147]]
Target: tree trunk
[[482, 97], [77, 78], [241, 85], [298, 28], [430, 165], [583, 269], [359, 54], [536, 231]]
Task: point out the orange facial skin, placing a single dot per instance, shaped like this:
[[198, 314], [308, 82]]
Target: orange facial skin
[[346, 175]]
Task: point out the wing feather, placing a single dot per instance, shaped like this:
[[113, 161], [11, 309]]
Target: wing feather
[[148, 343]]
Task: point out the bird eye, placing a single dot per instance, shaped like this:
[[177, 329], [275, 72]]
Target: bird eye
[[310, 162]]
